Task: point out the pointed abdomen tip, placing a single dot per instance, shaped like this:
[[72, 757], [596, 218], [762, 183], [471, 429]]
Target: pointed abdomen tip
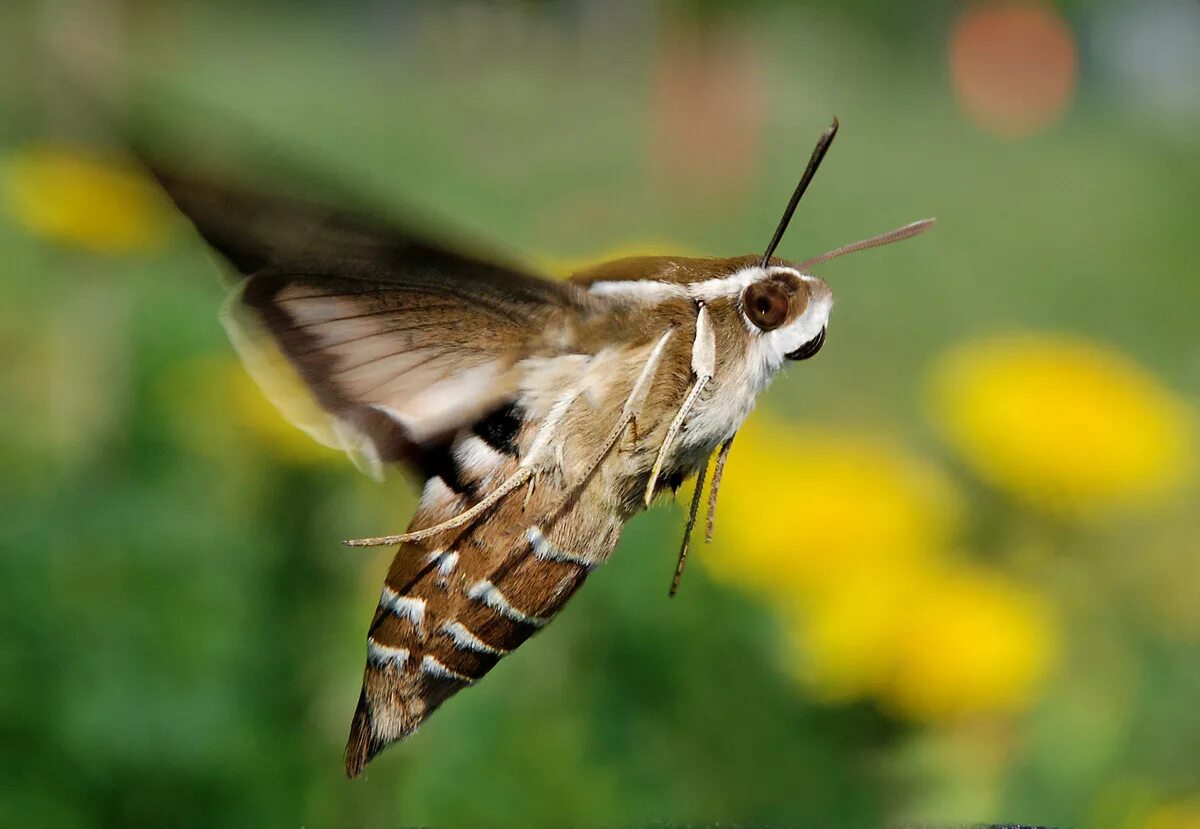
[[359, 746]]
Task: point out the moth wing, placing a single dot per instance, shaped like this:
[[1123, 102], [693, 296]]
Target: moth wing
[[368, 336]]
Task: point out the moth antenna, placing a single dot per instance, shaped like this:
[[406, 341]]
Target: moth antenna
[[896, 235], [718, 471], [687, 532], [814, 162]]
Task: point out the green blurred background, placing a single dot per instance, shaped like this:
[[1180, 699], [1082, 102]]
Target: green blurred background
[[956, 575]]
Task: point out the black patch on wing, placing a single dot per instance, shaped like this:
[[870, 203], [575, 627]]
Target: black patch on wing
[[438, 461], [499, 429]]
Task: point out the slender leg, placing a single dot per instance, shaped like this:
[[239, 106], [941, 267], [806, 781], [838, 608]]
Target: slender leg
[[691, 523], [718, 471]]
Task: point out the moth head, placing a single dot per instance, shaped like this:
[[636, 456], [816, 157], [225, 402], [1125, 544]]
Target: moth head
[[786, 304], [789, 310]]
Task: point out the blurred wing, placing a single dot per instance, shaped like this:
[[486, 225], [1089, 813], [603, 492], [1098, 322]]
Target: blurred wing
[[399, 341]]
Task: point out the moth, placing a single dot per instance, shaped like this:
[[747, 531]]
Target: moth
[[540, 415]]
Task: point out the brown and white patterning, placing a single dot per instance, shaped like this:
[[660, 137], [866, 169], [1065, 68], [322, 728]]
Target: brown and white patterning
[[540, 415]]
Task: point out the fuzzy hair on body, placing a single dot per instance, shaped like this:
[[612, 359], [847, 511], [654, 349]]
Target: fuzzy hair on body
[[539, 415]]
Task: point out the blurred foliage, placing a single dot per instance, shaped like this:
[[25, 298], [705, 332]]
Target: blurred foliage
[[956, 571]]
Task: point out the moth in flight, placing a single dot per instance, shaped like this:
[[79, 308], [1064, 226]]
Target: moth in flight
[[541, 415]]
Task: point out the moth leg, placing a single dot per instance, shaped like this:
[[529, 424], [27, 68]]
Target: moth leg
[[691, 523], [672, 433], [636, 395], [635, 437], [632, 402], [526, 472], [549, 427], [465, 517], [704, 357], [718, 471], [528, 468], [529, 492]]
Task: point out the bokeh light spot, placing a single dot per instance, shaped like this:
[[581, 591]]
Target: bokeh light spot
[[1013, 66]]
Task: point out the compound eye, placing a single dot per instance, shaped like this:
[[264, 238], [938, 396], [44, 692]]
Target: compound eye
[[766, 304]]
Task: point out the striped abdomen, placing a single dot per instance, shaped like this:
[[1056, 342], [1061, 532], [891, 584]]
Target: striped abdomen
[[452, 606]]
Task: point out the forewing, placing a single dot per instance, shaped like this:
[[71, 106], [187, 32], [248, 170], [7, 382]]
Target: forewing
[[399, 340]]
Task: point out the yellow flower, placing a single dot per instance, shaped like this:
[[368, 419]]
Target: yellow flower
[[930, 643], [77, 200], [1061, 423], [808, 507], [1178, 815], [841, 643], [969, 641]]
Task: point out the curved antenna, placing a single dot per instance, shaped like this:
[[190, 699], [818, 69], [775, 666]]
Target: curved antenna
[[814, 162], [896, 235]]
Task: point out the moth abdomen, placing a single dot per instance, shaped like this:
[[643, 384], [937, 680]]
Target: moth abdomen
[[541, 414], [447, 614]]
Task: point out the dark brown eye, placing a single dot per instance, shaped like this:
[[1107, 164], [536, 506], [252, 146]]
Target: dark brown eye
[[766, 304]]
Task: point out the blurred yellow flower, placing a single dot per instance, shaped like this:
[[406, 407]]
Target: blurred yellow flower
[[1179, 815], [74, 199], [807, 507], [1062, 423], [841, 643], [930, 643], [970, 641]]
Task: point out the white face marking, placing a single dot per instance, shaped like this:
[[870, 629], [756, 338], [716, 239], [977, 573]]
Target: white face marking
[[737, 384], [465, 639], [546, 551], [774, 346], [715, 419], [434, 667], [729, 286], [385, 655], [406, 607], [769, 348], [491, 596]]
